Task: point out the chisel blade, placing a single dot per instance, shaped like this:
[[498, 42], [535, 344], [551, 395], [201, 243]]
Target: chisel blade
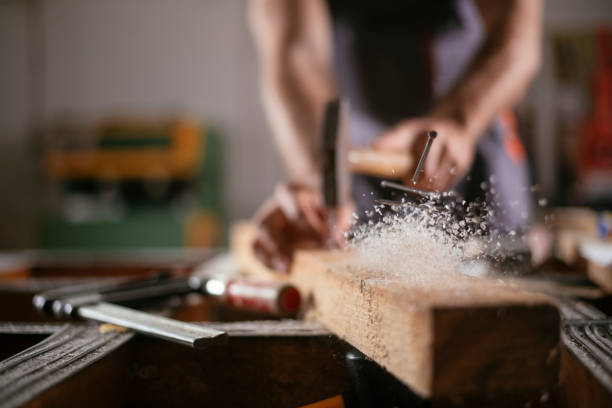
[[188, 334]]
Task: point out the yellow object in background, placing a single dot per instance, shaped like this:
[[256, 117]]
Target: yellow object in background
[[122, 152], [202, 230]]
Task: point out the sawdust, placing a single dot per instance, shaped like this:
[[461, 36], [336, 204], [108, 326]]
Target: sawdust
[[383, 248], [437, 239], [425, 236], [426, 241]]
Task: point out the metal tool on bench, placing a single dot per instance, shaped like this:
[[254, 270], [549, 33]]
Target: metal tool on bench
[[93, 303], [100, 303]]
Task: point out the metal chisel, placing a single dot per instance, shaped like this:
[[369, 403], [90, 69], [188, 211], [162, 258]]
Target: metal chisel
[[95, 306], [430, 195], [188, 334], [99, 301], [92, 302]]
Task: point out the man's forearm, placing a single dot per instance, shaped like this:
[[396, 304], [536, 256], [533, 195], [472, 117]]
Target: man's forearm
[[293, 122], [293, 44], [501, 72]]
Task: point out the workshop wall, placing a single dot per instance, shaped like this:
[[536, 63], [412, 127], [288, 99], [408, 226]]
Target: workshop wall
[[139, 56], [542, 103], [17, 174], [88, 59]]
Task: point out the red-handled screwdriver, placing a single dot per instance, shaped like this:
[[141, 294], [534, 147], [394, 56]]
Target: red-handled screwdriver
[[257, 295]]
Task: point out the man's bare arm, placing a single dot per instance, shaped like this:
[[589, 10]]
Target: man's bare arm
[[497, 78], [293, 40], [504, 67]]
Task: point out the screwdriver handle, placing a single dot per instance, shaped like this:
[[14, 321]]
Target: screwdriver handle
[[387, 165], [264, 296], [256, 295]]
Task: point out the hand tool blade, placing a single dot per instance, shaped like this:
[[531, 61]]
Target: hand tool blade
[[431, 195], [189, 334]]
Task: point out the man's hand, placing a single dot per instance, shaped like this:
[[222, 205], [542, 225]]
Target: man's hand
[[294, 218], [451, 154], [496, 79]]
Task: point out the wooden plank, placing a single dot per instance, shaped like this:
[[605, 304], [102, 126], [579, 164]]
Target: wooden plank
[[579, 387], [583, 252], [576, 243], [598, 257], [450, 336], [567, 244], [601, 275], [64, 369], [586, 374], [265, 364]]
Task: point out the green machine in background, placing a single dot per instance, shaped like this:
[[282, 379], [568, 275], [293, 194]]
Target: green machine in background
[[133, 183]]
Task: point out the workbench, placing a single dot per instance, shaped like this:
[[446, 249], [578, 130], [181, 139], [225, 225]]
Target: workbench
[[285, 363]]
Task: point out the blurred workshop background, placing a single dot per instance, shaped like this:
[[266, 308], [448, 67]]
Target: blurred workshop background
[[137, 123]]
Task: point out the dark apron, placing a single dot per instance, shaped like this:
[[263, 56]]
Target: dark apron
[[392, 60]]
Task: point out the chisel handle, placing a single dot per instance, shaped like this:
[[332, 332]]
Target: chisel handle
[[382, 164], [256, 295], [263, 296]]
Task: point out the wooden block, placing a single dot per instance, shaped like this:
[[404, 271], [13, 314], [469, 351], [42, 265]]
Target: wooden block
[[567, 243], [574, 218], [447, 336], [601, 275], [580, 388], [265, 364], [74, 366], [577, 242], [262, 365], [598, 257], [586, 379], [583, 252]]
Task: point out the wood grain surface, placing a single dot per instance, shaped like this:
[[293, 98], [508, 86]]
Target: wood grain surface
[[572, 247], [446, 336], [264, 364]]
